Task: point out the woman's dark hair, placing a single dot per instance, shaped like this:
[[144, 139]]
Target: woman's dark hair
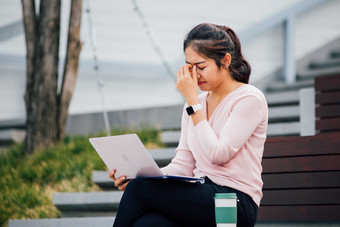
[[214, 41]]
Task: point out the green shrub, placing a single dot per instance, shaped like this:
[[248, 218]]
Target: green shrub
[[28, 182]]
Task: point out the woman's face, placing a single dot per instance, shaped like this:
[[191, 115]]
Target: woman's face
[[209, 75]]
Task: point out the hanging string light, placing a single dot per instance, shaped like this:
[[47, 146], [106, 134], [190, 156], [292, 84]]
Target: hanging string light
[[100, 81], [153, 41]]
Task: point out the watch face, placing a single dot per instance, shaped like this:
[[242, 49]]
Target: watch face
[[190, 110]]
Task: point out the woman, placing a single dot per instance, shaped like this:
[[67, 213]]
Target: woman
[[222, 137]]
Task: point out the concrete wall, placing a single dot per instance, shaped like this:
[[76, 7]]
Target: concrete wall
[[313, 30], [132, 72]]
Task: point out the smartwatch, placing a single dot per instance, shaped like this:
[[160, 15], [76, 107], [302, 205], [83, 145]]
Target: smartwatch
[[193, 109]]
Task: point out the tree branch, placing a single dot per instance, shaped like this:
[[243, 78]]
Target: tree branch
[[71, 64], [30, 25]]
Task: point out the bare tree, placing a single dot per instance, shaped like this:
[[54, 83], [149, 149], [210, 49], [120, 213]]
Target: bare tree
[[46, 108]]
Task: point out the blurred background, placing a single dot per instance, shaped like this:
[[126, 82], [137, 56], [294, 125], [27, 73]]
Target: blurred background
[[131, 52], [127, 34]]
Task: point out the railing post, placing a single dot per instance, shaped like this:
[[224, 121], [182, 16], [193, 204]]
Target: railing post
[[289, 70], [307, 112]]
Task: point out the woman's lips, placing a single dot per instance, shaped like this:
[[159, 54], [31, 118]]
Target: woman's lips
[[201, 83]]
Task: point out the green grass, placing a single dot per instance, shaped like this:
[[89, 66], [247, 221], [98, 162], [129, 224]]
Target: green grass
[[28, 182]]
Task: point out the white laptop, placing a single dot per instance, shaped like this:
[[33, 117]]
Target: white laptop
[[128, 155]]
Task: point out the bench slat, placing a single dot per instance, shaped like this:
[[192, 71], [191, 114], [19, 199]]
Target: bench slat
[[321, 144], [301, 164], [299, 213], [301, 180], [327, 98], [327, 111], [328, 124], [327, 83], [301, 197]]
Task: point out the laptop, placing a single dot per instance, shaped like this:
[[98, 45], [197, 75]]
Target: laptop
[[128, 155]]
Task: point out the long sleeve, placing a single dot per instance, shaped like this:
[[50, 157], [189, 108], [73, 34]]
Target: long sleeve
[[228, 147], [245, 116]]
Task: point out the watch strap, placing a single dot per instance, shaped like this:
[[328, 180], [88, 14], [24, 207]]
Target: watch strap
[[193, 109]]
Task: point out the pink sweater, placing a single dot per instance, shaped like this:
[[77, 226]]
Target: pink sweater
[[229, 147]]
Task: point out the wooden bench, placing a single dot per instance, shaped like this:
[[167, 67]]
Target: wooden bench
[[327, 101], [301, 178], [301, 175]]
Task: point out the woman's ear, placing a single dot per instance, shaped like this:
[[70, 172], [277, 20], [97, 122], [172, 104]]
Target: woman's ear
[[226, 60]]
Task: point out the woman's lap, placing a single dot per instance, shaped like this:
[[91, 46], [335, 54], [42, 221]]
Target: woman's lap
[[181, 202]]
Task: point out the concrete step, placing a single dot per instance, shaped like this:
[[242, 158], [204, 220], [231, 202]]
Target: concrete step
[[311, 74], [284, 129], [13, 123], [63, 222], [280, 86], [335, 53], [107, 222], [328, 63], [283, 98], [284, 114], [79, 204], [170, 138], [8, 136]]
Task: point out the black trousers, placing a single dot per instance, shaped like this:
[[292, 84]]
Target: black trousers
[[170, 203]]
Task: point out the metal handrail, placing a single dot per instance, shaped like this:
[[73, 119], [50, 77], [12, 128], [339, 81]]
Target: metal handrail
[[287, 18]]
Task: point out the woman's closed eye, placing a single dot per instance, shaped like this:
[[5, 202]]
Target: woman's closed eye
[[201, 68]]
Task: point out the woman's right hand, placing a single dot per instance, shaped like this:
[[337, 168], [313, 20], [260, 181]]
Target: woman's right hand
[[121, 182]]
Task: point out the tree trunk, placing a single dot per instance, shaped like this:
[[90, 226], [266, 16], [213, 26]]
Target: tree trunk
[[71, 66], [30, 23], [41, 91], [46, 110]]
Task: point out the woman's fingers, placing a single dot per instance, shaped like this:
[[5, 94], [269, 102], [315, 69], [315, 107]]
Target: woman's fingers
[[194, 74], [186, 71], [112, 174], [123, 186], [120, 183]]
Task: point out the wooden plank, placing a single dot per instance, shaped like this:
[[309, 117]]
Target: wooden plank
[[301, 197], [301, 180], [327, 83], [299, 213], [301, 164], [321, 144], [329, 124], [327, 111], [327, 98]]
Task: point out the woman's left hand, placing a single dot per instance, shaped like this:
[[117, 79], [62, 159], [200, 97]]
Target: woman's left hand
[[187, 83]]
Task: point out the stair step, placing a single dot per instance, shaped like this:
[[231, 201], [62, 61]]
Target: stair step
[[63, 222], [102, 180], [328, 63], [283, 98], [284, 114], [14, 123], [162, 157], [87, 203], [284, 129], [107, 222], [170, 138], [282, 86], [311, 74], [335, 53], [8, 136]]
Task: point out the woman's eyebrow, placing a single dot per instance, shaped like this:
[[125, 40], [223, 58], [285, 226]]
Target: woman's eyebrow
[[196, 63]]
